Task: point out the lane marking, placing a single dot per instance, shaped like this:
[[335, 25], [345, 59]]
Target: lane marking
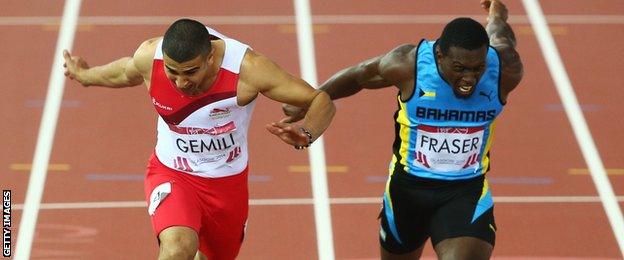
[[519, 180], [141, 177], [306, 168], [316, 153], [584, 107], [114, 177], [29, 167], [577, 120], [55, 27], [555, 30], [40, 103], [310, 201], [45, 139], [291, 29], [585, 171], [288, 19]]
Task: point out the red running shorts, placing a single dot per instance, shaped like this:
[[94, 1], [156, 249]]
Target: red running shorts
[[216, 208]]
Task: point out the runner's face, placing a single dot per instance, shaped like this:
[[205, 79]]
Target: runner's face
[[462, 68], [188, 76]]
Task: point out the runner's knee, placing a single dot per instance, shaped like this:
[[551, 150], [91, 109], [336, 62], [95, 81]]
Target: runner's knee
[[178, 243], [468, 248]]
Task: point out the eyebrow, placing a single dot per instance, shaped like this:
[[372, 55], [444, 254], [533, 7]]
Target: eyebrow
[[462, 64], [187, 70]]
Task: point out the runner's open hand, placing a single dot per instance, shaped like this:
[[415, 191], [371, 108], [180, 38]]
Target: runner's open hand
[[73, 66], [289, 133], [495, 8], [293, 113]]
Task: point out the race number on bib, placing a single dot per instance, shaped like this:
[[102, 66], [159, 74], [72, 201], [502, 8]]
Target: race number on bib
[[447, 149]]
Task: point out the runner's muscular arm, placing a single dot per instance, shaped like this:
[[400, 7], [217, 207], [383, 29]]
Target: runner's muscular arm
[[275, 83], [382, 71], [502, 38], [395, 68], [124, 72]]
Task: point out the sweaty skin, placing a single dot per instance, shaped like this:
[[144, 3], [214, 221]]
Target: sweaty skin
[[461, 69], [258, 75], [396, 68]]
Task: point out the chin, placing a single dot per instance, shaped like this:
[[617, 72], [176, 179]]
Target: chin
[[462, 95]]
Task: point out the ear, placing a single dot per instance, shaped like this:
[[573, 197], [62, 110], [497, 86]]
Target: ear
[[438, 52], [210, 56]]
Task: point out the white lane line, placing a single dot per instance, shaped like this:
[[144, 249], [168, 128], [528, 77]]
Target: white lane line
[[316, 19], [47, 128], [310, 201], [577, 120], [316, 154]]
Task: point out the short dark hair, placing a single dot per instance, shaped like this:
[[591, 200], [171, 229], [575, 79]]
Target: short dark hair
[[186, 39], [464, 33]]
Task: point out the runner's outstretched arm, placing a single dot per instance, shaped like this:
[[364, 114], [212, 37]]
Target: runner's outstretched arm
[[503, 39], [266, 77], [124, 72], [383, 71]]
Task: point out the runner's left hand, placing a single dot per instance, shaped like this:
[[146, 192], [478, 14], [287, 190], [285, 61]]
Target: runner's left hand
[[289, 133], [293, 113], [495, 8]]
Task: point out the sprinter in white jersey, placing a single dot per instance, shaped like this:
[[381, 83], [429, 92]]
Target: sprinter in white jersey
[[203, 86], [450, 92]]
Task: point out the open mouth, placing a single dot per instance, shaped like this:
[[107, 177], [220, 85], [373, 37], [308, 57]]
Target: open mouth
[[465, 89]]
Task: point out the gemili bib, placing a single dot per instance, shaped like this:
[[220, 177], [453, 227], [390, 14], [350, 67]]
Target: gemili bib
[[204, 135], [439, 135]]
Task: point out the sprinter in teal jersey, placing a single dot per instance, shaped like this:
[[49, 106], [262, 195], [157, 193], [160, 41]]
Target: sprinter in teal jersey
[[450, 92]]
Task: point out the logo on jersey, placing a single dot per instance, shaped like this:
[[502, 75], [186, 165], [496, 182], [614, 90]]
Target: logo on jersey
[[217, 113], [161, 106], [488, 95], [427, 94], [182, 164], [204, 160], [234, 154], [217, 130]]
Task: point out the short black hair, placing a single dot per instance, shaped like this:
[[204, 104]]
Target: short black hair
[[464, 33], [186, 39]]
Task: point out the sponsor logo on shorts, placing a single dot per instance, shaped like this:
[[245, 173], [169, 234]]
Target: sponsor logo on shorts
[[158, 195], [492, 228], [382, 234]]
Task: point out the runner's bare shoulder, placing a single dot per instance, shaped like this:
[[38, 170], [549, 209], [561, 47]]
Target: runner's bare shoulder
[[398, 64], [144, 55]]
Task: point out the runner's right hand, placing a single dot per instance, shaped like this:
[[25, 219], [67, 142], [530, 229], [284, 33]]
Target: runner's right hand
[[74, 65]]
